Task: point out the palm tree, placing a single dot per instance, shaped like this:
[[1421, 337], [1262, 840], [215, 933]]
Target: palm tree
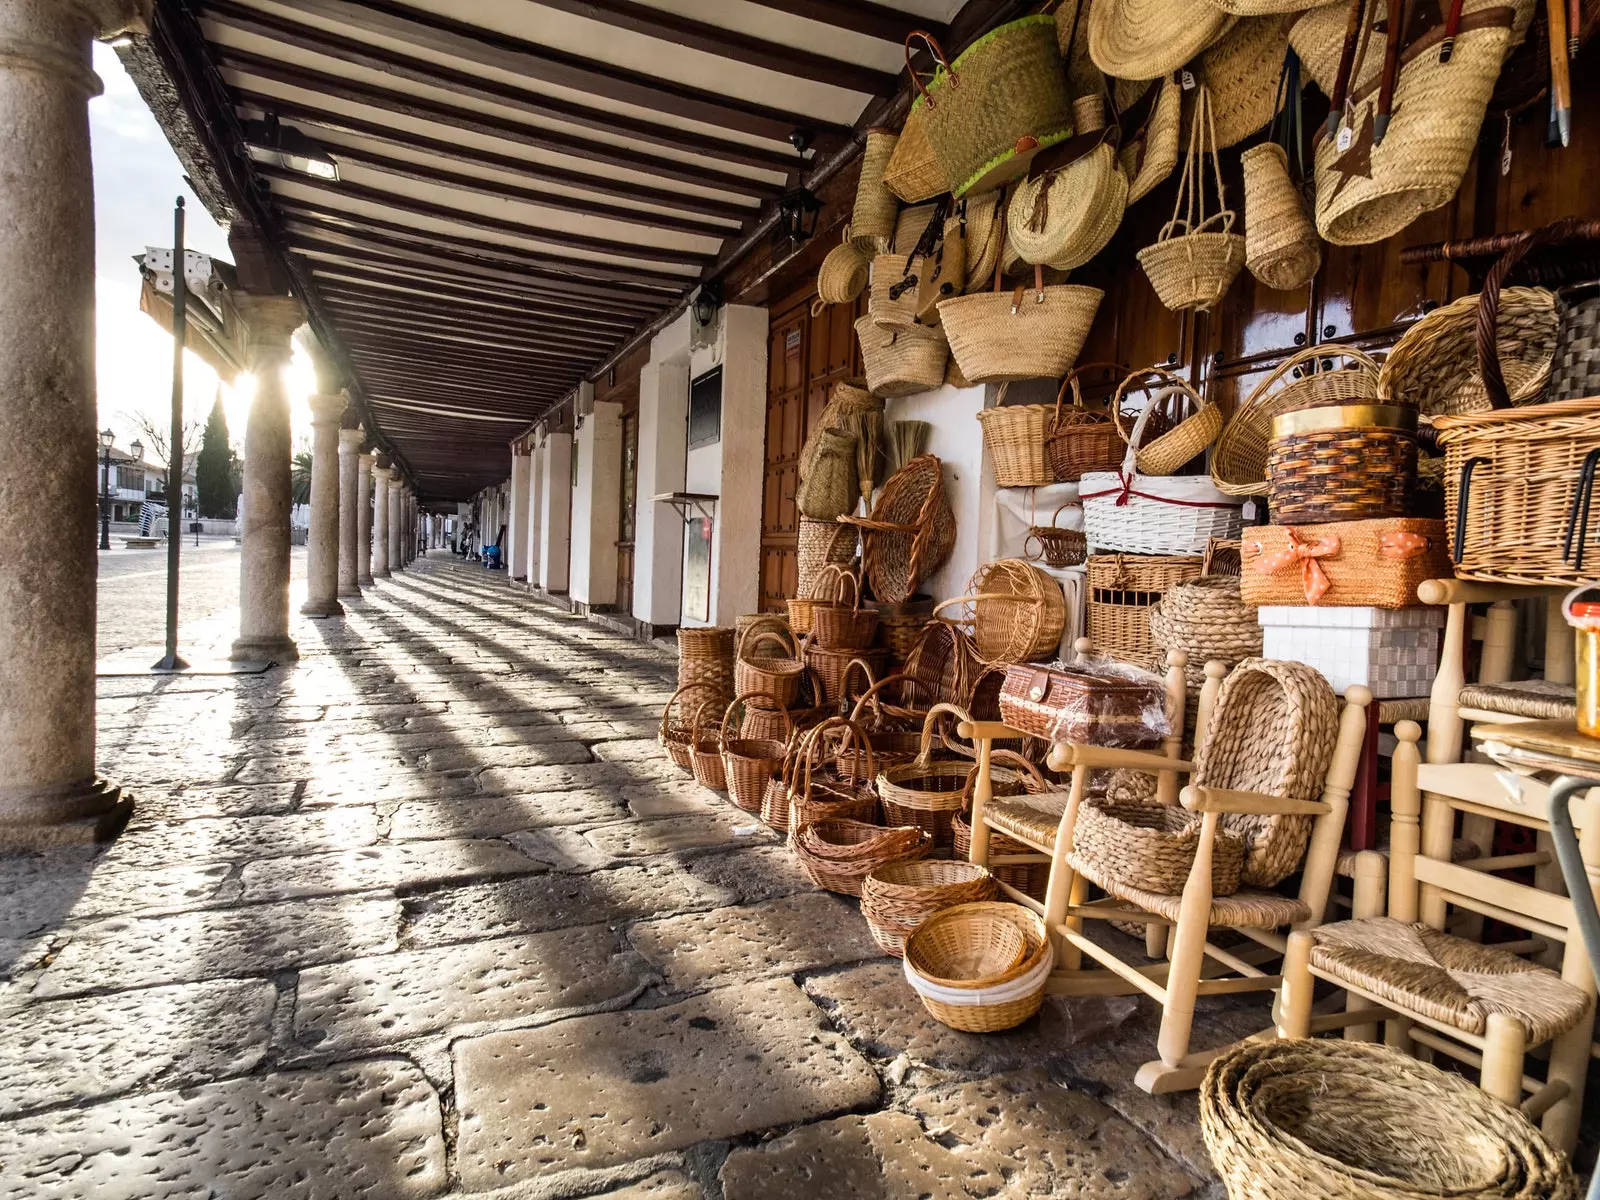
[[300, 477]]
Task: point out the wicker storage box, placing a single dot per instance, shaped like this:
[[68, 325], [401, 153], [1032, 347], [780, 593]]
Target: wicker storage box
[[1122, 591], [1099, 704], [1392, 651], [1347, 462], [1368, 563], [1152, 846]]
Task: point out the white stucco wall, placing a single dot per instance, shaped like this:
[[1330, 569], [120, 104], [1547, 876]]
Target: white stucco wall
[[596, 497], [535, 510], [658, 528], [517, 536], [556, 513]]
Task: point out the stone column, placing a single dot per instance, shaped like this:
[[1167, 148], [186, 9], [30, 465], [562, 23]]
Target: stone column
[[364, 520], [48, 791], [397, 520], [517, 535], [322, 549], [268, 493], [350, 492], [380, 518]]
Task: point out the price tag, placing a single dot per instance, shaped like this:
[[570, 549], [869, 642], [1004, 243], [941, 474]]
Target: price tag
[[1346, 136], [1187, 79], [1249, 510]]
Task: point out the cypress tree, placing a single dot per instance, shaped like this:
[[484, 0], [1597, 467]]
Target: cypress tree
[[212, 474]]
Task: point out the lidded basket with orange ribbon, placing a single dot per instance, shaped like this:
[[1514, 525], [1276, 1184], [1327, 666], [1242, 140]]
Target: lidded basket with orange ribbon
[[1375, 564]]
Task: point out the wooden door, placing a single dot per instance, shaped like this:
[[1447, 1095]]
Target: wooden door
[[627, 513], [806, 356]]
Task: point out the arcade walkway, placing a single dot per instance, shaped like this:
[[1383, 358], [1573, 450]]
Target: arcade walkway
[[429, 913]]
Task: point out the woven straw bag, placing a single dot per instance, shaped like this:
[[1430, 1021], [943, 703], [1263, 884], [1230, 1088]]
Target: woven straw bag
[[1434, 365], [912, 172], [1241, 72], [1183, 441], [1065, 217], [1369, 190], [909, 227], [1191, 265], [821, 543], [979, 219], [894, 301], [1280, 244], [1014, 434], [1034, 333], [1002, 101], [1239, 464], [830, 486], [1148, 158], [872, 218], [1079, 440], [899, 362], [842, 276]]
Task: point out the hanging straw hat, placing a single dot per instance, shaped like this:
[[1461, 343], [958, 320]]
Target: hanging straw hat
[[1242, 72], [1261, 8], [1145, 39], [1150, 155], [1083, 77]]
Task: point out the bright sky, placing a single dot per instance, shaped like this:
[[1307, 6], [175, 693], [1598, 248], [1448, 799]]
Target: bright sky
[[136, 178]]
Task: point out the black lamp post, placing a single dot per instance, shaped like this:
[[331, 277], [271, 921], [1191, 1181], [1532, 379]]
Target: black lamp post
[[106, 438]]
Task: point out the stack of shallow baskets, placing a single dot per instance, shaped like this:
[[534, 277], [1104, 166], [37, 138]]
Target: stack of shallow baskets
[[897, 899], [980, 967]]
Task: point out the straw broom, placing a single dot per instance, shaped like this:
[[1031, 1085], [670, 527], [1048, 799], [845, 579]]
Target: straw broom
[[907, 440]]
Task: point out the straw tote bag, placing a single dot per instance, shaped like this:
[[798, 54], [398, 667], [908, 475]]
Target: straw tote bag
[[912, 172], [1151, 154], [1369, 190], [1192, 265], [1280, 245], [1065, 217], [1002, 101]]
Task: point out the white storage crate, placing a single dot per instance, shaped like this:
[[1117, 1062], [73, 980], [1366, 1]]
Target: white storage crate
[[1393, 651]]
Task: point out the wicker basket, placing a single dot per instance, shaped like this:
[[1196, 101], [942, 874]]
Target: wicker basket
[[1209, 621], [1186, 437], [1122, 591], [1352, 462], [837, 625], [1079, 440], [833, 668], [899, 362], [676, 733], [1152, 847], [778, 676], [1375, 564], [1334, 1119], [872, 216], [749, 764], [1192, 265], [989, 1003], [705, 754], [821, 543], [897, 899], [705, 656], [912, 172], [911, 531], [1018, 612], [927, 792], [1155, 514], [1014, 435], [1028, 333], [1058, 546], [1317, 375], [1575, 369], [1434, 365], [838, 855], [843, 275], [830, 775], [940, 668], [966, 948], [898, 635]]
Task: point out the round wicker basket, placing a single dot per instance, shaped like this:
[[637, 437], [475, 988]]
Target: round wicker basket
[[1018, 612], [897, 899], [1002, 1000]]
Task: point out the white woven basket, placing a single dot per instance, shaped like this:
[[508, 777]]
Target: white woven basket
[[1155, 514]]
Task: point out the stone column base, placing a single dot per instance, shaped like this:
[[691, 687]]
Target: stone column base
[[264, 650], [350, 593], [94, 813], [330, 608]]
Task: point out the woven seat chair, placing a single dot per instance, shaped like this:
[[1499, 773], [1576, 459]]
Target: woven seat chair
[[1276, 757], [1487, 1006]]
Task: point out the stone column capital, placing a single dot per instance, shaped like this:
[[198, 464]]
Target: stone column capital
[[328, 407], [111, 17], [367, 460], [270, 322], [350, 440], [382, 473]]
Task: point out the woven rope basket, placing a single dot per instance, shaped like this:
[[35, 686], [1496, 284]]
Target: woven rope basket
[[872, 218], [1208, 620], [1280, 243]]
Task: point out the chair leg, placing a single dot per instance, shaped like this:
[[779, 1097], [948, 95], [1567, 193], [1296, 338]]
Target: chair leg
[[1063, 886], [1504, 1048], [1569, 1064], [1188, 952], [1294, 1004], [1369, 898], [1397, 1035]]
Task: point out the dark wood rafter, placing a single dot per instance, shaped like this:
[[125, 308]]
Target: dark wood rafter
[[574, 321], [668, 26], [554, 139], [446, 349], [302, 113], [468, 402], [504, 381], [858, 16], [386, 18], [557, 240], [546, 332]]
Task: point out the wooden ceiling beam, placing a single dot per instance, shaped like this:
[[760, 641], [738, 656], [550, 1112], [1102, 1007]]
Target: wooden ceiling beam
[[667, 26], [373, 287], [456, 351], [560, 240], [859, 16], [373, 359], [475, 44], [476, 343], [477, 401], [323, 118], [545, 332], [484, 89]]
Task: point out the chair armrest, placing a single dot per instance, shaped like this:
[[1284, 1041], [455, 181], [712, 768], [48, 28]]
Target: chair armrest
[[994, 730], [1065, 755], [1225, 800]]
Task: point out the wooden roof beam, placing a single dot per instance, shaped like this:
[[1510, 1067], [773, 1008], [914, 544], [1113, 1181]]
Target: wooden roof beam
[[372, 287], [547, 332], [859, 16]]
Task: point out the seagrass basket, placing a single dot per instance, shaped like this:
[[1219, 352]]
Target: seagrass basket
[[988, 1002], [838, 855], [1029, 333], [1209, 621], [842, 276], [1281, 246], [1152, 847], [912, 172], [897, 899]]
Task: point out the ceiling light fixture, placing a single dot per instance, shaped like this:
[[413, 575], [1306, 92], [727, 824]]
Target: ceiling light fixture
[[797, 216], [271, 142]]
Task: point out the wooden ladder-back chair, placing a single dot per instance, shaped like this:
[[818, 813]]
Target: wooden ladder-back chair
[[1269, 725], [1484, 1005]]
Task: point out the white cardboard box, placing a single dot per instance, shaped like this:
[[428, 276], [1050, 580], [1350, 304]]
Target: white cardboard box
[[1393, 651]]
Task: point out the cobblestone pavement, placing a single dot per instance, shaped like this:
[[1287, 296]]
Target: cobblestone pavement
[[430, 914]]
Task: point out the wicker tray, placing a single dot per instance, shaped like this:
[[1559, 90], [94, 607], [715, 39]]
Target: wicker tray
[[911, 531], [1152, 847]]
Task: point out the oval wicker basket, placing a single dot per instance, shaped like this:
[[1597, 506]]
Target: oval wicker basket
[[911, 531], [705, 755], [897, 899], [1018, 612], [705, 656], [1185, 438], [1331, 1119], [996, 1002], [966, 948], [1306, 379], [927, 793], [940, 669], [1058, 545], [838, 855], [838, 625], [749, 764], [1152, 847]]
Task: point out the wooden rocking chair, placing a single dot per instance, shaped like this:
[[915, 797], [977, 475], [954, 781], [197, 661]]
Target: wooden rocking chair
[[1270, 730]]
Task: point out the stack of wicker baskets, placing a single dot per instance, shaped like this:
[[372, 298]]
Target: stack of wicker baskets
[[897, 899], [980, 967], [838, 855], [705, 658], [1208, 620]]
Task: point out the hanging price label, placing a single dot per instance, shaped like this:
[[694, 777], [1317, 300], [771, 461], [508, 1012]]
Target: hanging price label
[[1248, 512], [1187, 79], [1346, 136]]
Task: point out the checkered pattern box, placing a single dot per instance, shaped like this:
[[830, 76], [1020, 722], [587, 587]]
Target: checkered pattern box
[[1393, 651]]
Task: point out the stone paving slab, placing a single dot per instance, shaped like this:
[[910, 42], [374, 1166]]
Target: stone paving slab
[[470, 758], [269, 799], [42, 894], [231, 839], [637, 840], [602, 1090], [532, 904], [796, 933], [392, 865], [326, 787], [495, 815], [755, 872], [59, 1053], [359, 1131], [674, 799], [388, 998], [130, 952]]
